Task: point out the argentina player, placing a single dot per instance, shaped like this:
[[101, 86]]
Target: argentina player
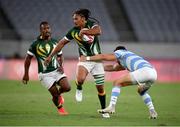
[[141, 72]]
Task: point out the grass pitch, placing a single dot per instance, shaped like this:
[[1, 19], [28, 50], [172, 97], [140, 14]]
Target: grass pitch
[[31, 105]]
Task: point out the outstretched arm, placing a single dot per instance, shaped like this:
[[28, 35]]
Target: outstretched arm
[[58, 48], [105, 57], [27, 64], [115, 67], [60, 61]]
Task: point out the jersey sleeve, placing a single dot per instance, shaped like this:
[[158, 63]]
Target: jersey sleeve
[[92, 24], [56, 42], [31, 50], [68, 36], [59, 53]]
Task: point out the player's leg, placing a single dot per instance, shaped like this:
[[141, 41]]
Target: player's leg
[[50, 83], [49, 80], [99, 80], [117, 84], [101, 93], [64, 87], [99, 74], [55, 94], [62, 84], [145, 77], [142, 90], [57, 99], [81, 74]]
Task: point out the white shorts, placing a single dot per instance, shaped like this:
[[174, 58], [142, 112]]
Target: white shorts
[[48, 79], [95, 68], [144, 76]]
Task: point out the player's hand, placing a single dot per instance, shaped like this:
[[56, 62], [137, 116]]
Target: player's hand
[[82, 58], [25, 79], [47, 61], [82, 31]]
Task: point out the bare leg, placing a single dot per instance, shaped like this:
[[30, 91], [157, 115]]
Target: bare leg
[[80, 77]]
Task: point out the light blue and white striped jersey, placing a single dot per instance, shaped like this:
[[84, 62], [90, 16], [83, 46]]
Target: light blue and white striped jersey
[[130, 60]]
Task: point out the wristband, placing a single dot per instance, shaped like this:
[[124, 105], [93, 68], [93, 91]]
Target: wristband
[[88, 58]]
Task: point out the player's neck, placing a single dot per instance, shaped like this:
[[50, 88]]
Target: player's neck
[[46, 38], [83, 26]]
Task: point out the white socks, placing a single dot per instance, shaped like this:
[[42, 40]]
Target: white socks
[[147, 100], [114, 95]]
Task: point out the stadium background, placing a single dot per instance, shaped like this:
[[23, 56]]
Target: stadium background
[[147, 27]]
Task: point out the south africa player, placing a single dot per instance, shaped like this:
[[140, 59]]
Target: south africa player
[[82, 20], [52, 76]]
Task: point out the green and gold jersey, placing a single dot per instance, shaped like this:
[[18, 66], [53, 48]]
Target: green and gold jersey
[[41, 49], [85, 48]]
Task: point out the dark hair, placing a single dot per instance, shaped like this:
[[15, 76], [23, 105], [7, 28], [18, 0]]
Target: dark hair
[[120, 48], [85, 13], [43, 23]]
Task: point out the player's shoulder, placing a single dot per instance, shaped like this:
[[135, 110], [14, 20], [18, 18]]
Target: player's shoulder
[[120, 53], [74, 28], [90, 24], [34, 42], [71, 30], [37, 40]]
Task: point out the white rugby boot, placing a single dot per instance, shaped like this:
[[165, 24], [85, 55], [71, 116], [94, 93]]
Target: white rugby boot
[[109, 109], [78, 95], [105, 115], [153, 114]]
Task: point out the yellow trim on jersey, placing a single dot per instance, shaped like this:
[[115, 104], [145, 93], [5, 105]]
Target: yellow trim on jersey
[[77, 37], [41, 49], [38, 51]]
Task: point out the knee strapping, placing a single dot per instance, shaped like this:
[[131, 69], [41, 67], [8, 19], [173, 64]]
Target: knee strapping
[[99, 79]]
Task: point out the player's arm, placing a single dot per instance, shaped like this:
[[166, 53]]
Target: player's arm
[[96, 30], [27, 64], [58, 48], [105, 57], [115, 67], [60, 60]]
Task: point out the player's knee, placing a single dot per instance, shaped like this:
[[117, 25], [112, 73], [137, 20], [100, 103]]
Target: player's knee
[[54, 92], [142, 90], [80, 81], [100, 89], [139, 91], [117, 83], [55, 95], [66, 88]]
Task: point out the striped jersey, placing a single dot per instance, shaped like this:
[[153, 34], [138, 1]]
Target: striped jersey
[[41, 49], [130, 60]]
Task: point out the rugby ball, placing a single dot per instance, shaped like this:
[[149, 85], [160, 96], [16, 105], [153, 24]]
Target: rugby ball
[[88, 38]]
